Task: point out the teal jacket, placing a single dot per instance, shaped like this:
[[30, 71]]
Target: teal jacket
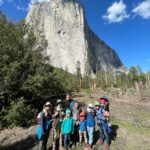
[[68, 126]]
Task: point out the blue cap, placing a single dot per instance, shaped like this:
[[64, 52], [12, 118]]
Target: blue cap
[[68, 111]]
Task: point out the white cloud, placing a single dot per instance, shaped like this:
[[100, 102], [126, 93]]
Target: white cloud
[[1, 2], [21, 8], [116, 12], [143, 9]]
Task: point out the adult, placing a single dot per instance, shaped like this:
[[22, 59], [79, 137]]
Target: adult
[[69, 103], [99, 117], [58, 116], [106, 99], [44, 125], [104, 116]]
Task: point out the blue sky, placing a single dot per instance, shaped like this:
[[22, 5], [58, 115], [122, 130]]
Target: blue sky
[[123, 24]]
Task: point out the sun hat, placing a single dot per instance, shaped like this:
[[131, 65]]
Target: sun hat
[[48, 104], [68, 111], [90, 105], [59, 101]]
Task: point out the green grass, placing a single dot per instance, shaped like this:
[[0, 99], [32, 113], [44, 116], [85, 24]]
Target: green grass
[[131, 127], [142, 115]]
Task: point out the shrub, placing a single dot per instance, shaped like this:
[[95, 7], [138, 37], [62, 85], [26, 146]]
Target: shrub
[[20, 114]]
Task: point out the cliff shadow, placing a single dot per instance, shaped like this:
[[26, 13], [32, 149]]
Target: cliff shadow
[[25, 144]]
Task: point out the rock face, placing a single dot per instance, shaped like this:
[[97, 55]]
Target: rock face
[[70, 40]]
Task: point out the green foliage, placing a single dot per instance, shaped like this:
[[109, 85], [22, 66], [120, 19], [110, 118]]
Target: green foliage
[[120, 79], [27, 79], [20, 114]]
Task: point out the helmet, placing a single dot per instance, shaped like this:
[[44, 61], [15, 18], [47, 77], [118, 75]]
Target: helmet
[[105, 97], [102, 101], [96, 103]]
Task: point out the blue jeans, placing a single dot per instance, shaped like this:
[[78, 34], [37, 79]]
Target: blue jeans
[[106, 135], [101, 135], [90, 131], [66, 140]]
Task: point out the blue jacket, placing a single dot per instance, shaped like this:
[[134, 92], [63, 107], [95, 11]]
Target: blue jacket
[[99, 115], [90, 119], [82, 126]]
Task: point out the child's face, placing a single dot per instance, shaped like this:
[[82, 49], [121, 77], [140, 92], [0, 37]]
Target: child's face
[[96, 107], [76, 105], [67, 115], [82, 118]]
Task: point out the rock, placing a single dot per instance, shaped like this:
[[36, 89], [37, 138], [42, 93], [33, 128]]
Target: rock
[[70, 40]]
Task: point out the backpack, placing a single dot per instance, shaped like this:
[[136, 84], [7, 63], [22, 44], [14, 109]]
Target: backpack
[[47, 124]]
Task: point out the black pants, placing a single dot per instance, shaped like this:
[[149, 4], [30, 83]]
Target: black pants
[[75, 136]]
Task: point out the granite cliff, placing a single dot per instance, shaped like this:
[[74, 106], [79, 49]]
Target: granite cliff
[[70, 40]]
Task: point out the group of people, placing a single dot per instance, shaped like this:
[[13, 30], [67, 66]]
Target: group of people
[[72, 125]]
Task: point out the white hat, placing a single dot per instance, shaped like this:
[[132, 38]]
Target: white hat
[[90, 105], [59, 101], [48, 104]]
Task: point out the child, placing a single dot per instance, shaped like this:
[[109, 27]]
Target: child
[[75, 115], [67, 128], [90, 122], [57, 121], [82, 128]]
